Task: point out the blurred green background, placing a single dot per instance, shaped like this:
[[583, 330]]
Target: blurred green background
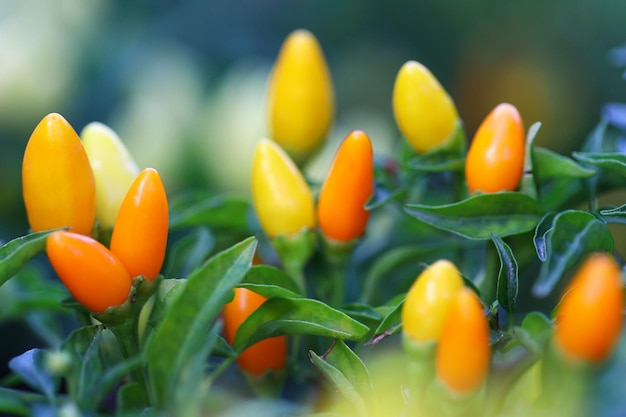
[[183, 82]]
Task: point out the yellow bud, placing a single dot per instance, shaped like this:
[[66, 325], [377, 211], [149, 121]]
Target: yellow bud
[[429, 299], [281, 197], [113, 167], [424, 112], [301, 98]]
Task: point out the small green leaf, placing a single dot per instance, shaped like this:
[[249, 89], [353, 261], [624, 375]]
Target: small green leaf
[[189, 252], [391, 323], [617, 214], [507, 284], [18, 403], [480, 216], [573, 234], [537, 325], [611, 161], [382, 196], [191, 313], [548, 164], [437, 162], [269, 275], [363, 313], [206, 209], [539, 240], [281, 316], [15, 254], [30, 367]]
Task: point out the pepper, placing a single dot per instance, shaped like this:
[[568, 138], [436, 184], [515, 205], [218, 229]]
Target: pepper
[[139, 236], [301, 98], [93, 275], [57, 181], [429, 300], [424, 112], [590, 315], [463, 353], [281, 197], [113, 167], [341, 212], [268, 354], [495, 160]]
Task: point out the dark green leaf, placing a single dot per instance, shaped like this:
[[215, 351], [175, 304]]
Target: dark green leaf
[[613, 161], [30, 367], [281, 316], [502, 214], [205, 209], [189, 252], [15, 254], [269, 275], [192, 313], [382, 196], [130, 398], [18, 403], [391, 323], [548, 164], [437, 162], [544, 226], [507, 284], [573, 234], [617, 214]]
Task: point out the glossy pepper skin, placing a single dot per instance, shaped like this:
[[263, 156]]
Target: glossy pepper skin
[[495, 160], [424, 112], [268, 354], [428, 301], [463, 353], [91, 273], [139, 237], [57, 181], [281, 197], [341, 212], [301, 102], [113, 167], [590, 315]]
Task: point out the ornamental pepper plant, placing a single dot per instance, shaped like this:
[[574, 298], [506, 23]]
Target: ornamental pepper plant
[[451, 277]]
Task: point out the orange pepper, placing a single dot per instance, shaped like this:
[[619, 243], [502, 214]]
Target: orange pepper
[[91, 273], [590, 315], [463, 353], [57, 182], [349, 184], [495, 160], [264, 355], [140, 233]]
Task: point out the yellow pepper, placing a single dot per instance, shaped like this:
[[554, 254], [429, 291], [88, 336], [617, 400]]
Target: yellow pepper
[[281, 197], [301, 98], [424, 112], [113, 167], [57, 181]]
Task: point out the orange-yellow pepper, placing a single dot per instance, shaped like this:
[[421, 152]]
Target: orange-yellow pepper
[[495, 160], [590, 315], [93, 275], [341, 212], [463, 353], [57, 181], [139, 236], [424, 112], [282, 199], [301, 99], [268, 354]]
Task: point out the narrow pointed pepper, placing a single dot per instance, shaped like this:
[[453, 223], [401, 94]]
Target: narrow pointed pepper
[[268, 354], [301, 99], [590, 315], [424, 112], [140, 233], [429, 300], [57, 181], [91, 273], [463, 353], [113, 167], [341, 212], [495, 160]]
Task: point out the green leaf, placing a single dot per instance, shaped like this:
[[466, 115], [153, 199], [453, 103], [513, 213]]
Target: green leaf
[[206, 209], [363, 313], [30, 367], [611, 161], [539, 240], [537, 325], [15, 254], [382, 196], [480, 216], [437, 162], [269, 275], [507, 284], [348, 374], [573, 234], [18, 403], [190, 315], [617, 214], [391, 323], [282, 316], [189, 252], [549, 164]]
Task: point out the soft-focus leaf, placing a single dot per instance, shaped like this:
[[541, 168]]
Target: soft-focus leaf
[[30, 367], [282, 316], [189, 252], [18, 403], [616, 215], [573, 235], [363, 313], [15, 254], [437, 162], [507, 284], [269, 275], [613, 161], [392, 322], [480, 216], [191, 314], [205, 209], [549, 164], [539, 240]]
